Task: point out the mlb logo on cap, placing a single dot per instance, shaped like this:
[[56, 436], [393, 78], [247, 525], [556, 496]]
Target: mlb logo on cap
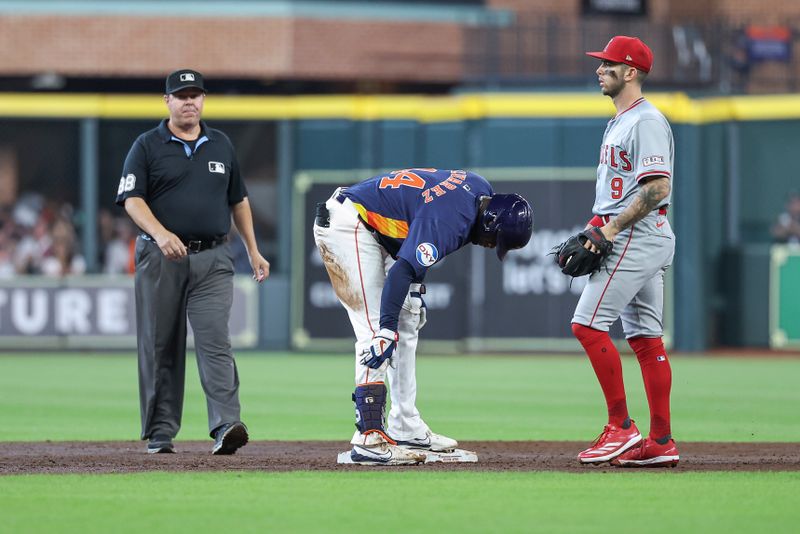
[[184, 79]]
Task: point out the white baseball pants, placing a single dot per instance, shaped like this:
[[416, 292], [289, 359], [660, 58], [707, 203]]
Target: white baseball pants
[[357, 265]]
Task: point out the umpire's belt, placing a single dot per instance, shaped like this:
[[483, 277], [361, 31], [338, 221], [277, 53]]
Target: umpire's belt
[[195, 245], [199, 245]]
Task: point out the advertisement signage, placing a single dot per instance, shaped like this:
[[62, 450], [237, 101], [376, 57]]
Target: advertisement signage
[[95, 312]]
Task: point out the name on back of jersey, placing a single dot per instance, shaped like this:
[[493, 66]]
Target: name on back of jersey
[[450, 183]]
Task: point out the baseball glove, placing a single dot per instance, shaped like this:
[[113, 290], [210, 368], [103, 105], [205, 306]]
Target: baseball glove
[[575, 259]]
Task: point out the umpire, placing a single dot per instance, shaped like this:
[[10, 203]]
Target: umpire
[[180, 185]]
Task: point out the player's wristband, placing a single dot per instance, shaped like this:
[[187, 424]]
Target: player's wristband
[[596, 221]]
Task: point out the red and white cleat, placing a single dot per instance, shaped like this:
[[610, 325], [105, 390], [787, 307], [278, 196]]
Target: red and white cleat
[[612, 442], [649, 453]]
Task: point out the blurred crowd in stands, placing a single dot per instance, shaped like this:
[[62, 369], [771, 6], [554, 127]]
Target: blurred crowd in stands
[[38, 236]]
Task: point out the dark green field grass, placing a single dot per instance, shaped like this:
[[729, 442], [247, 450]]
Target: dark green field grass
[[402, 501], [306, 397], [288, 397]]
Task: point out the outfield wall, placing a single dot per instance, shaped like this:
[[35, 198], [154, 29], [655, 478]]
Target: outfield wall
[[732, 172], [96, 312]]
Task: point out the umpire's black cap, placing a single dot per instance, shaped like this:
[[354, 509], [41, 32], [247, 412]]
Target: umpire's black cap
[[184, 79]]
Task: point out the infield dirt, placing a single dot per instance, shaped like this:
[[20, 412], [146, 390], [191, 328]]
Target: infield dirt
[[130, 457]]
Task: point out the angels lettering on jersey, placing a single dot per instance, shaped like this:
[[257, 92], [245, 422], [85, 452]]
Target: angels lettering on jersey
[[637, 145], [615, 157]]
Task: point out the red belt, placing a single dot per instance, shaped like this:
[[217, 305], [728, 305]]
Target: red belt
[[605, 219]]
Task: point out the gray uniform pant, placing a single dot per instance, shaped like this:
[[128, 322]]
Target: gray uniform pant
[[199, 286], [631, 285]]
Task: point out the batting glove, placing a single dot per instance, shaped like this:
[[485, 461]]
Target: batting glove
[[423, 315], [416, 292], [382, 349]]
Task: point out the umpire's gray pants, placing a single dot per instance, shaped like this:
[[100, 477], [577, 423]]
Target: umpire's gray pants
[[199, 286]]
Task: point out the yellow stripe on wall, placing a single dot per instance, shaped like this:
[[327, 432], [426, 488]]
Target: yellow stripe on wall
[[678, 107]]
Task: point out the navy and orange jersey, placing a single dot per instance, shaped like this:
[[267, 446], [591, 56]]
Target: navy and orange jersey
[[421, 215]]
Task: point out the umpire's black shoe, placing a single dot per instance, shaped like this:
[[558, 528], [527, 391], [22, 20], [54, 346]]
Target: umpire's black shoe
[[229, 437], [160, 445]]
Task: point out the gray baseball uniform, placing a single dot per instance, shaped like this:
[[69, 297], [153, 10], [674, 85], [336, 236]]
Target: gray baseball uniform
[[637, 145]]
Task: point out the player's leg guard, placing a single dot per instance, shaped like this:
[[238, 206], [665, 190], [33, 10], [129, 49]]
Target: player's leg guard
[[370, 403], [371, 445]]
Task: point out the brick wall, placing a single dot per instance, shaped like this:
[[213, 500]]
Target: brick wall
[[378, 50], [325, 49], [760, 11], [551, 7], [763, 11], [254, 48], [140, 46]]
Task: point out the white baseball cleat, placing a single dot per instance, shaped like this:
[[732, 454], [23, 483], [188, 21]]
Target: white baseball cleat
[[429, 442], [382, 454]]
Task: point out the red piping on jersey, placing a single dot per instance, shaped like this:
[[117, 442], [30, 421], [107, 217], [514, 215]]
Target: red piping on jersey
[[635, 103], [652, 173], [603, 294]]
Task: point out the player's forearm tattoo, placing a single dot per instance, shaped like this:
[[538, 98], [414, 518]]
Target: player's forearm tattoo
[[648, 198]]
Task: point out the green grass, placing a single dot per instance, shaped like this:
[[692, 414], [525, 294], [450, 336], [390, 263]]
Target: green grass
[[73, 397], [403, 501], [287, 397]]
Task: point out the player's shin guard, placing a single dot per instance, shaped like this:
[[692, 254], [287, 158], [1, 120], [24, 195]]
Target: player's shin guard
[[370, 401], [657, 376], [608, 368]]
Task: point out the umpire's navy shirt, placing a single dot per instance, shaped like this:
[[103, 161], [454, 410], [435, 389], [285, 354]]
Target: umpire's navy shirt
[[189, 187]]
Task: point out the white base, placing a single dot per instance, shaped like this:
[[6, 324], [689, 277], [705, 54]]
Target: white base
[[455, 456]]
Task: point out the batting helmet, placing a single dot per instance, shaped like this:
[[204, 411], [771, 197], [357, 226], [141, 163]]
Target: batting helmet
[[506, 222]]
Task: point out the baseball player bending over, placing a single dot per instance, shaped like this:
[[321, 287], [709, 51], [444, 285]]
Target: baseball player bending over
[[634, 183], [377, 239]]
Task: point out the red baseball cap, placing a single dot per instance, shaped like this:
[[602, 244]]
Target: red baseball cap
[[629, 50]]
